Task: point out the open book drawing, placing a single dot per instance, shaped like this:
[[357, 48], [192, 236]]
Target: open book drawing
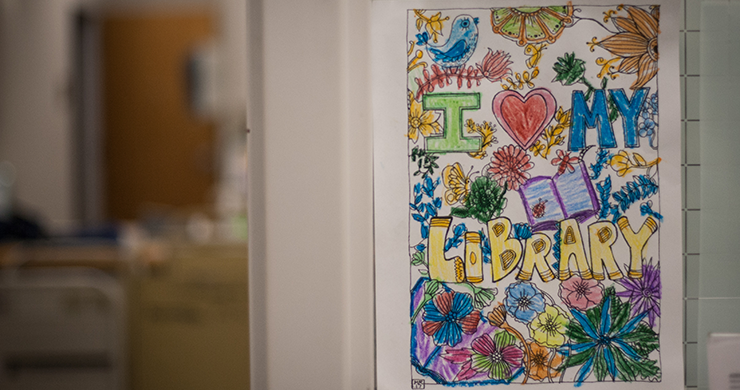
[[549, 200]]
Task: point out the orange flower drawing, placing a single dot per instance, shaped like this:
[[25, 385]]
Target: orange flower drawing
[[543, 362], [636, 43]]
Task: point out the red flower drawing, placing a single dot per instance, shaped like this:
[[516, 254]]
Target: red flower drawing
[[509, 165], [495, 65]]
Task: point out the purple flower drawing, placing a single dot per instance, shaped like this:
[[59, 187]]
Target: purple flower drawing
[[644, 294]]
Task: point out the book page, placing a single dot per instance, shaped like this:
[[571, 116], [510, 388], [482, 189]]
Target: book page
[[542, 203], [577, 193]]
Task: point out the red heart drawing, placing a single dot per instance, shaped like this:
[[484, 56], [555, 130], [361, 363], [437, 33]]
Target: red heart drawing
[[524, 118]]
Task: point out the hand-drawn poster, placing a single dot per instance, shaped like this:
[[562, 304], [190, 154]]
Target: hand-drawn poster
[[527, 195]]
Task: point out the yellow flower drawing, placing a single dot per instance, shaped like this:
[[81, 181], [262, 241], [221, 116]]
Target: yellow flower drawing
[[548, 329], [486, 131], [434, 24], [522, 80], [623, 164], [420, 121], [414, 62], [552, 136]]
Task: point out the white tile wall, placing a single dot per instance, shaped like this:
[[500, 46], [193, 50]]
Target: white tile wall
[[692, 154], [722, 311], [714, 46], [690, 83]]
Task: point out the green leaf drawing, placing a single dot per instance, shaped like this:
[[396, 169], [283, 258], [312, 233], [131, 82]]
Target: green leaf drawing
[[610, 344], [486, 200], [418, 258], [569, 69]]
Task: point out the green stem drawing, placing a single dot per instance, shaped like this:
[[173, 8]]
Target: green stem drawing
[[430, 289]]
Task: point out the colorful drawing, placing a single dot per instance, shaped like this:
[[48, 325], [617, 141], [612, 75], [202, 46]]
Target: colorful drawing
[[636, 43], [459, 46], [534, 253], [524, 117], [568, 194], [531, 24]]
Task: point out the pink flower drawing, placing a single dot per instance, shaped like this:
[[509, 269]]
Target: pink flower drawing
[[509, 165], [581, 294], [497, 357], [495, 65]]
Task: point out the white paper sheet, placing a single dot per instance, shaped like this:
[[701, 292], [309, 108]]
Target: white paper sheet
[[501, 148], [723, 355]]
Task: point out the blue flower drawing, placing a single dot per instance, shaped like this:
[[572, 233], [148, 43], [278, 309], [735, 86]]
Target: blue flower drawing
[[524, 301]]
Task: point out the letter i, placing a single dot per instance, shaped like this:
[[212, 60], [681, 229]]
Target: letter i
[[473, 258]]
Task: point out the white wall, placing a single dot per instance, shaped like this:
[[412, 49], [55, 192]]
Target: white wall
[[310, 195], [35, 115]]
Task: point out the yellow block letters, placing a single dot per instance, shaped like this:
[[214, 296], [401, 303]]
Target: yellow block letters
[[636, 242], [440, 268], [602, 236], [505, 252]]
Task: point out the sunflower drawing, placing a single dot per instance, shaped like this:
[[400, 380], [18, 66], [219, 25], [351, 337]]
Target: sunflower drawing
[[636, 43]]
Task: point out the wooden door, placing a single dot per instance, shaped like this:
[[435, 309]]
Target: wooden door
[[156, 150]]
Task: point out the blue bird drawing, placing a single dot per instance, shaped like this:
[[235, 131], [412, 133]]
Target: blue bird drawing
[[459, 46]]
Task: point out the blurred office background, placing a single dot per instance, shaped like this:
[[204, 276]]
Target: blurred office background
[[123, 231]]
